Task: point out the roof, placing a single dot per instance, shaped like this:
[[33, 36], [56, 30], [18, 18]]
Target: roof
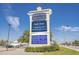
[[40, 10]]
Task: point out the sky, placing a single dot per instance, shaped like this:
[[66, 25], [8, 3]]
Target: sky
[[64, 20]]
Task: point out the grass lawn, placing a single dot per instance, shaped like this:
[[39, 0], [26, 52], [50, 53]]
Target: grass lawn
[[63, 51]]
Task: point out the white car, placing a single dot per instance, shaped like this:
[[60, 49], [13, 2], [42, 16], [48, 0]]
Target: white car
[[15, 45]]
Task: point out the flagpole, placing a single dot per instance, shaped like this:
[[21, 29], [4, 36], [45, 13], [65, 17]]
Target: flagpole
[[8, 36]]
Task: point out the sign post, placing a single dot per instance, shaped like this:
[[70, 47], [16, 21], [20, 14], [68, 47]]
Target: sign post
[[39, 27]]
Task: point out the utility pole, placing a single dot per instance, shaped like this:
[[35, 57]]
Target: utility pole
[[8, 37]]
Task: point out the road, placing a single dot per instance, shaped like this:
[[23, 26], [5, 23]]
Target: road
[[16, 51], [71, 47]]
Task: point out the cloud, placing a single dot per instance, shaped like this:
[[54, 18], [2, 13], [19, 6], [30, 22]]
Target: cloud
[[67, 28], [13, 21], [9, 15]]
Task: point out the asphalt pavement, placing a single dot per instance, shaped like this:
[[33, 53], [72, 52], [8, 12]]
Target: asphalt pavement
[[16, 51]]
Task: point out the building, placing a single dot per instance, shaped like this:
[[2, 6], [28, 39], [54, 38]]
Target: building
[[39, 27]]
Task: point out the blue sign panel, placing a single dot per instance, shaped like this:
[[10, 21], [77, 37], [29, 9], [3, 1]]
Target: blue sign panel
[[39, 23], [39, 39], [39, 26]]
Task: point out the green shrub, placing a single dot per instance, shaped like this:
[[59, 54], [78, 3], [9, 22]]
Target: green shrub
[[54, 47]]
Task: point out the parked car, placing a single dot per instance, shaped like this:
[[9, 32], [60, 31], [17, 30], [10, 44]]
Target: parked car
[[9, 46]]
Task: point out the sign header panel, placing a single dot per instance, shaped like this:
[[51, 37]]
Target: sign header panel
[[39, 16]]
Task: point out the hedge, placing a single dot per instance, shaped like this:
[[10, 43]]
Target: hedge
[[54, 47]]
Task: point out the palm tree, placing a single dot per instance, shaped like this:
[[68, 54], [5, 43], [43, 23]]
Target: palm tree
[[24, 38]]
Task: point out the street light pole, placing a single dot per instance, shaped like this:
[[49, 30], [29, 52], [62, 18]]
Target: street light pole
[[8, 36]]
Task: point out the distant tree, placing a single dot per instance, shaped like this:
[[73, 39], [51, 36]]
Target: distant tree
[[2, 42], [76, 43]]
